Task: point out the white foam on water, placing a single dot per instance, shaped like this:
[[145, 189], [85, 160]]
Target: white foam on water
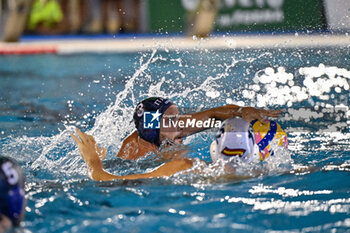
[[58, 155], [279, 87]]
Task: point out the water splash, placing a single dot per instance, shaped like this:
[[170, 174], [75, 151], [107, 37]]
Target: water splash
[[317, 86]]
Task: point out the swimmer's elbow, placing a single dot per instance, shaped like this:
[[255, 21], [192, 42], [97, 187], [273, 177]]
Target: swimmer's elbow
[[169, 168], [95, 178], [101, 175], [94, 175], [178, 166], [186, 164]]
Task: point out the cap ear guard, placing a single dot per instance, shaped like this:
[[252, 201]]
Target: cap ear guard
[[151, 104], [235, 139], [16, 205], [12, 197], [150, 135], [220, 133], [213, 151]]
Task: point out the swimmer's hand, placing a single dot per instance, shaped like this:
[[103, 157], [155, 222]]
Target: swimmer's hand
[[92, 155], [249, 114], [88, 146]]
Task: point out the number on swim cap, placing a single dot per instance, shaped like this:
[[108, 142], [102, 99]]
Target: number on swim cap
[[139, 110], [10, 172]]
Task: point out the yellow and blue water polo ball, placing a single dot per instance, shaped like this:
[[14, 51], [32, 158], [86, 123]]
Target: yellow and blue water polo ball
[[267, 133]]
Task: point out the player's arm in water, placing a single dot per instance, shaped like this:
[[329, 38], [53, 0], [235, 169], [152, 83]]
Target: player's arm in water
[[93, 156], [228, 111]]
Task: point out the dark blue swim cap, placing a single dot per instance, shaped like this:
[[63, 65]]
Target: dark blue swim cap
[[12, 200], [152, 104]]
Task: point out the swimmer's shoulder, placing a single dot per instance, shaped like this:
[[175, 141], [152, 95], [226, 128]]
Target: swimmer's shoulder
[[129, 146], [131, 140], [132, 137], [133, 147]]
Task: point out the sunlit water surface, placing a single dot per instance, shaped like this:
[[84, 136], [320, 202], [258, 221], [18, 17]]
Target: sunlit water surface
[[44, 97]]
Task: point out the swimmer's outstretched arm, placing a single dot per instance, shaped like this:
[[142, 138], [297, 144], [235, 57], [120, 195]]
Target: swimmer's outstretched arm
[[92, 155], [227, 111]]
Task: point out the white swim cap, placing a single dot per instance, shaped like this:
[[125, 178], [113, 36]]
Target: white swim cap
[[235, 139]]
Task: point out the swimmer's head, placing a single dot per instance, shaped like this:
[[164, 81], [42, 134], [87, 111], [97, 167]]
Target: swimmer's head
[[12, 200], [235, 140], [152, 110]]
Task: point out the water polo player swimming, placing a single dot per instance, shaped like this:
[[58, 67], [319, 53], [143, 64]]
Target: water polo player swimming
[[12, 200], [235, 142], [144, 141]]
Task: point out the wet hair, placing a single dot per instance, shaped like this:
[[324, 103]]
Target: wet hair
[[152, 104]]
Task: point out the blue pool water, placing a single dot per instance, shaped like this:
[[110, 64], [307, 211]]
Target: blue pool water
[[44, 97]]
